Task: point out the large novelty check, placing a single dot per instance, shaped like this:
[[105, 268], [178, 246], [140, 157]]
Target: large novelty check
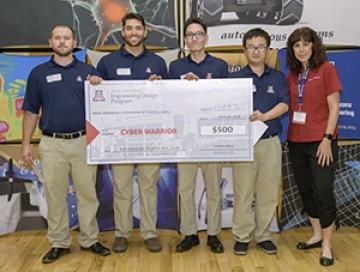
[[169, 121]]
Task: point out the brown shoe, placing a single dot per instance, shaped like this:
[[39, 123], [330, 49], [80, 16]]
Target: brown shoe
[[120, 245], [153, 244]]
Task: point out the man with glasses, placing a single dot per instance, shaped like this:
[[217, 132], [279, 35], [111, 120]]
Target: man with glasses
[[260, 179], [199, 65]]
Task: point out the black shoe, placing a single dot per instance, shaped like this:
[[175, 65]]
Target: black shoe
[[54, 254], [303, 245], [215, 245], [268, 247], [326, 261], [99, 249], [241, 248], [188, 242]]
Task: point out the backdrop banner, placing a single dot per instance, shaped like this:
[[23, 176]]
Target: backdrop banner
[[13, 214], [346, 187], [96, 23], [14, 71], [335, 21]]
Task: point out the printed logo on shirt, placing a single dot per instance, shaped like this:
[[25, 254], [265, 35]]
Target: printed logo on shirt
[[79, 79], [314, 78], [53, 78], [208, 76], [270, 90], [99, 96], [148, 70]]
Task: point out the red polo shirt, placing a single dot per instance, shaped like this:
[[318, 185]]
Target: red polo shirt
[[320, 83]]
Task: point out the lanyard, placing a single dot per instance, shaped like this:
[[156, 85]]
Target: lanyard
[[301, 85]]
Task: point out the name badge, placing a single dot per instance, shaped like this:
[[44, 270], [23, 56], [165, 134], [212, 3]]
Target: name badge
[[254, 89], [53, 78], [123, 71], [299, 117]]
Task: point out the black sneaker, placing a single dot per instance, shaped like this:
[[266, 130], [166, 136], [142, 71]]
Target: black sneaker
[[241, 248], [188, 242], [215, 245], [268, 247]]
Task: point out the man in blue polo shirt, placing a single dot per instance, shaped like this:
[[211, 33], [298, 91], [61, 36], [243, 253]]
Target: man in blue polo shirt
[[57, 88], [260, 179], [199, 65], [133, 61]]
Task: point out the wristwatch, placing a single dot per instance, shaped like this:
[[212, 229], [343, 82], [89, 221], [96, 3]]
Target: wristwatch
[[328, 136]]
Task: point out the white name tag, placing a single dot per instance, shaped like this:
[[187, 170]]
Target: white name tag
[[53, 78], [299, 117], [123, 71], [254, 89]]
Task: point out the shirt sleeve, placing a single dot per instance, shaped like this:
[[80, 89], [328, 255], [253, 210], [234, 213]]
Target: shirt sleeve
[[172, 74], [332, 82], [224, 70], [101, 69], [94, 72], [283, 89], [164, 70], [32, 100]]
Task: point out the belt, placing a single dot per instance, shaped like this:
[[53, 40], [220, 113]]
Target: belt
[[64, 136], [268, 136]]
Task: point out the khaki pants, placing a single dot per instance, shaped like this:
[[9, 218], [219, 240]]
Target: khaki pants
[[59, 159], [187, 173], [259, 179], [148, 175]]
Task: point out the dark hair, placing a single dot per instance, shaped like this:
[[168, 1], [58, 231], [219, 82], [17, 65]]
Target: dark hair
[[256, 32], [195, 20], [133, 15], [63, 25], [318, 56]]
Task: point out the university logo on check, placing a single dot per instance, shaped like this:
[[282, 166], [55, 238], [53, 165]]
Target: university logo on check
[[99, 96]]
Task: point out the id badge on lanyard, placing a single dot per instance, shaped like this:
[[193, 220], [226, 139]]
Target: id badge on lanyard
[[300, 116]]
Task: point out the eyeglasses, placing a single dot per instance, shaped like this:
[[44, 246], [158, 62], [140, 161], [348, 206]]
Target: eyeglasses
[[197, 34], [260, 48]]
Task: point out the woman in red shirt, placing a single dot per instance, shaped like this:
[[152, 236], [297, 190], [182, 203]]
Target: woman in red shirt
[[314, 88]]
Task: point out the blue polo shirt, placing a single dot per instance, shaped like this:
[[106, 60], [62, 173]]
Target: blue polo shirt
[[270, 89], [122, 65], [209, 67], [59, 92]]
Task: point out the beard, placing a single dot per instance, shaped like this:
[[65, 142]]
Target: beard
[[63, 53], [130, 43]]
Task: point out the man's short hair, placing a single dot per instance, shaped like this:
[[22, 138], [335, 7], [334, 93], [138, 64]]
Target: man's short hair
[[195, 20], [133, 15], [257, 32], [62, 25]]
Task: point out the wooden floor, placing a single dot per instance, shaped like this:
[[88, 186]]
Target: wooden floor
[[22, 251]]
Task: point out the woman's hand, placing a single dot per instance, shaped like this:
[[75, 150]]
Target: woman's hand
[[324, 154]]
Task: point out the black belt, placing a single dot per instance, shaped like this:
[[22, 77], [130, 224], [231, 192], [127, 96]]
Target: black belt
[[64, 136], [268, 136]]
